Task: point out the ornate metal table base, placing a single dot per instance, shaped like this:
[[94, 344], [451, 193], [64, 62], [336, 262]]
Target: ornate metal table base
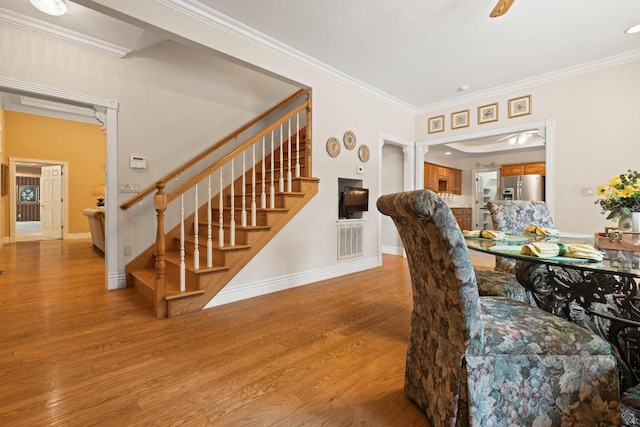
[[606, 304]]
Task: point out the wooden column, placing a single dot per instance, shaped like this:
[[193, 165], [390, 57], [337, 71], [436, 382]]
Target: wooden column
[[160, 202]]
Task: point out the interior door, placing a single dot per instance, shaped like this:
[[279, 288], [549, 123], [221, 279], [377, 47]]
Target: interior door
[[51, 201]]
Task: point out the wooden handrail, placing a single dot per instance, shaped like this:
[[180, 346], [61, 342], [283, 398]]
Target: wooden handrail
[[222, 161], [208, 151]]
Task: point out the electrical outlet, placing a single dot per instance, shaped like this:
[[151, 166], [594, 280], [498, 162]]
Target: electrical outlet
[[359, 170], [128, 250], [586, 191]]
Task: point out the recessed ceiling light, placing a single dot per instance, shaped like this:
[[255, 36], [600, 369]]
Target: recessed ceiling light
[[448, 153], [463, 88], [50, 7], [633, 30]]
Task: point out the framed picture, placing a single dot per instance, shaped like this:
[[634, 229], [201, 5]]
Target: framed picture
[[520, 106], [488, 113], [460, 119], [4, 177], [436, 124], [27, 194]]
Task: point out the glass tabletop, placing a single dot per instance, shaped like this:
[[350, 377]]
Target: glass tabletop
[[620, 257]]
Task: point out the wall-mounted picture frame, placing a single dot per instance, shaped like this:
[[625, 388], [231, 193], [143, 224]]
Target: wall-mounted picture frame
[[27, 194], [4, 177], [520, 106], [436, 124], [460, 119], [488, 113]]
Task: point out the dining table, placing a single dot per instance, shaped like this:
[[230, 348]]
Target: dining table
[[600, 295]]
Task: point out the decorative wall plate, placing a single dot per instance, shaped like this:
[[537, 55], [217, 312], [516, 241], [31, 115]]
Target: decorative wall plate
[[349, 140], [333, 146], [364, 154]]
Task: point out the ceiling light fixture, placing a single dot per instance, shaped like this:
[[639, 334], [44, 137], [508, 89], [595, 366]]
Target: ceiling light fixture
[[633, 30], [50, 7]]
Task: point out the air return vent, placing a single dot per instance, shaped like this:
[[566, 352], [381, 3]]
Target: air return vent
[[350, 239]]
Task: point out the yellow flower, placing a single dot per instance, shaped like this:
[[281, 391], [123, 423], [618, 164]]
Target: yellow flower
[[615, 180], [601, 190]]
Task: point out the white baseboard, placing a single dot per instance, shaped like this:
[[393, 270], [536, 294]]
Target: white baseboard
[[392, 250], [250, 290], [70, 236]]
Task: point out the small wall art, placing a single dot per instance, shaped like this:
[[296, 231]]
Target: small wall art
[[436, 124], [488, 113], [460, 119], [520, 106], [349, 140], [333, 146]]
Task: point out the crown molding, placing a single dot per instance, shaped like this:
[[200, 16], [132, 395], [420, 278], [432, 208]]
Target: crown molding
[[37, 26], [237, 29], [588, 67]]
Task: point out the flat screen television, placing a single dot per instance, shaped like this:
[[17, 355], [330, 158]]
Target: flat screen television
[[355, 199]]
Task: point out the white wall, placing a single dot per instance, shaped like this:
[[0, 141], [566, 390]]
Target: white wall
[[392, 182], [596, 134]]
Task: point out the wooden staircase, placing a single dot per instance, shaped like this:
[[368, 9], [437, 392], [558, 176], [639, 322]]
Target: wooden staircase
[[202, 284]]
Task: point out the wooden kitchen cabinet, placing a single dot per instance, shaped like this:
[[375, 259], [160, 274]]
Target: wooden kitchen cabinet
[[537, 168], [463, 216], [530, 168], [442, 179]]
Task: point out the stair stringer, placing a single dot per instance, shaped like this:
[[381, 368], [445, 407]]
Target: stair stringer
[[212, 285]]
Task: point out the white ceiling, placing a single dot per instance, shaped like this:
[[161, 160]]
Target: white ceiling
[[421, 51], [417, 53]]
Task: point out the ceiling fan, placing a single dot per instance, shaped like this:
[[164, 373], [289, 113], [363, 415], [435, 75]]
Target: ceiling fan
[[501, 8]]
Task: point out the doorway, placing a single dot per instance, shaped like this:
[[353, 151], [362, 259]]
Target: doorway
[[39, 213], [486, 189], [106, 112]]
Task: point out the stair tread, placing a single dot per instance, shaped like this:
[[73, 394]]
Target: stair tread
[[148, 275], [203, 242], [239, 227]]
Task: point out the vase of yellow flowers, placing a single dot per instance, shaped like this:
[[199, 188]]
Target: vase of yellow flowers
[[621, 199]]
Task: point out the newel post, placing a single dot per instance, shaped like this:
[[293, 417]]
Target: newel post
[[307, 164], [160, 202]]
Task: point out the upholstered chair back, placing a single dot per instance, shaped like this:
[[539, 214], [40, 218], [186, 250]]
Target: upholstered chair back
[[512, 216], [437, 257]]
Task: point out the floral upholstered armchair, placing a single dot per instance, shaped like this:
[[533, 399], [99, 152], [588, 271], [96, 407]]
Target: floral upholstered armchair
[[490, 361], [512, 216]]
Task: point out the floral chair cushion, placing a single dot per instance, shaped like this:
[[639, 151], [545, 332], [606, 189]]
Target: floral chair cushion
[[490, 361], [512, 216]]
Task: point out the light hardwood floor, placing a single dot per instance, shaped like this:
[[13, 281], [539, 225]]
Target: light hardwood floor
[[73, 354]]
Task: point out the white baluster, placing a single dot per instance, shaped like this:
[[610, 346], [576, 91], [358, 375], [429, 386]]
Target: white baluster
[[298, 145], [232, 224], [220, 208], [196, 250], [281, 181], [209, 229], [243, 216], [263, 199], [183, 285], [253, 186], [272, 194], [289, 159]]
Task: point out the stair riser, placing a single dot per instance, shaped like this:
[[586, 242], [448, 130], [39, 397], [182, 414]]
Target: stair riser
[[243, 236], [145, 289], [262, 216], [219, 257], [280, 202]]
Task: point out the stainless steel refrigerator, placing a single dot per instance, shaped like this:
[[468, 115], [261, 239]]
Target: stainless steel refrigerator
[[522, 187]]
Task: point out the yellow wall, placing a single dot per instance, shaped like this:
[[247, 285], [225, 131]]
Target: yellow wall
[[4, 204], [80, 144]]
